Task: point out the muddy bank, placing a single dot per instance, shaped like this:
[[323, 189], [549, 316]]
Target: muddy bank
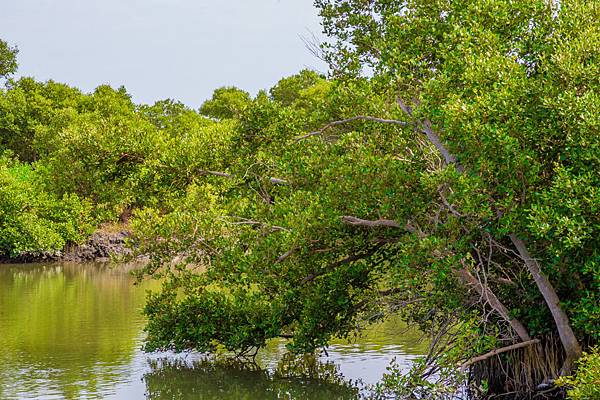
[[100, 247]]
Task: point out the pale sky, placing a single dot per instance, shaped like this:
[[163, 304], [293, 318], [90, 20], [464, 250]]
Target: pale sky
[[157, 49]]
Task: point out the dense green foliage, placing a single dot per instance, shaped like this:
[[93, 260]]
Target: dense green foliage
[[33, 220], [8, 59], [81, 159], [227, 102], [586, 385], [447, 172], [481, 182]]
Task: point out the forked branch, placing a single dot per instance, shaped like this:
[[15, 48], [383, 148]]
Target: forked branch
[[463, 273]]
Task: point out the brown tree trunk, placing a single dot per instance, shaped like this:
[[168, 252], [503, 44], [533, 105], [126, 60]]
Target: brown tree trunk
[[494, 302], [565, 332]]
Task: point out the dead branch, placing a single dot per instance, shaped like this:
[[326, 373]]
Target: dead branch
[[382, 223], [348, 120], [485, 292], [245, 221], [285, 255], [203, 172], [449, 206], [277, 181], [388, 223], [498, 351], [313, 45]]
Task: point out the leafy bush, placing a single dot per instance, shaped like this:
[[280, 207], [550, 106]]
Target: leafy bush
[[8, 62], [33, 221], [586, 384]]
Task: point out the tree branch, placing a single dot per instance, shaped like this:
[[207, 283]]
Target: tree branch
[[335, 265], [381, 223], [245, 221], [285, 255], [348, 120], [202, 172], [561, 320], [388, 223], [463, 273], [498, 351], [485, 292], [215, 173]]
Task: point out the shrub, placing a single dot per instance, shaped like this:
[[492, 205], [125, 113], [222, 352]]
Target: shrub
[[586, 384], [33, 221]]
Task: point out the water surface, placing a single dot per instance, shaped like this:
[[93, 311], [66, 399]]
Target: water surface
[[71, 331]]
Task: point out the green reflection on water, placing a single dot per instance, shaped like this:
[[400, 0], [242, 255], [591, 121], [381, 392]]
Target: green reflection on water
[[66, 328], [74, 331], [211, 379]]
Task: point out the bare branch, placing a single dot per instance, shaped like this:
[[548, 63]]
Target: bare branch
[[449, 206], [277, 181], [433, 137], [371, 224], [437, 142], [485, 292], [285, 255], [215, 173], [498, 351], [381, 223], [348, 120], [313, 45], [245, 221], [202, 172]]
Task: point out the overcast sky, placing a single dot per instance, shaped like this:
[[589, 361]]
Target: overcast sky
[[180, 49]]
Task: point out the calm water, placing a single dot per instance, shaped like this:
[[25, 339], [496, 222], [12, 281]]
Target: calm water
[[72, 331]]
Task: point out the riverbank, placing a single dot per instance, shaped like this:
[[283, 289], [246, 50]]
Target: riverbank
[[106, 242]]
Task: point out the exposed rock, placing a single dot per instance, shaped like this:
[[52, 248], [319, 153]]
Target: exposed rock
[[100, 247]]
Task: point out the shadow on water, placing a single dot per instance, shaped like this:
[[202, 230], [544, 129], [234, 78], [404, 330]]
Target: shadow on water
[[69, 331]]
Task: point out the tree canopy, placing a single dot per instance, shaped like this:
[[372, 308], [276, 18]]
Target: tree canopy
[[449, 174], [445, 171], [8, 59]]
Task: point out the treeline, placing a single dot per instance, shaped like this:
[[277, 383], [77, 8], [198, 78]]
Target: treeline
[[71, 161], [455, 184]]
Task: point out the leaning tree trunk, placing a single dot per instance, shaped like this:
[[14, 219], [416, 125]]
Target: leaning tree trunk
[[561, 320], [567, 337]]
